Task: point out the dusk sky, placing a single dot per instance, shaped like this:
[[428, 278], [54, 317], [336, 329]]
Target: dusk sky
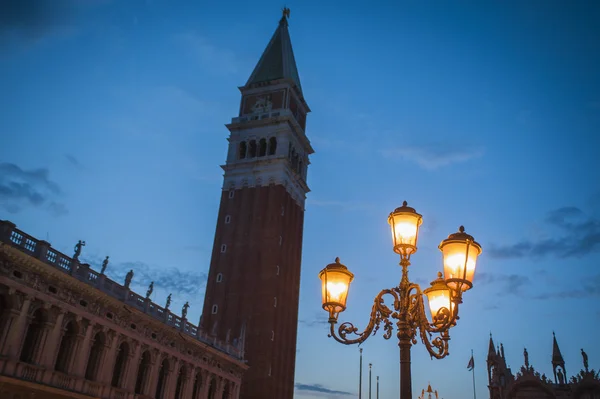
[[480, 113]]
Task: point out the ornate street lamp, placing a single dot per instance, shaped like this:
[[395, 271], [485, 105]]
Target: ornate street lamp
[[459, 251]]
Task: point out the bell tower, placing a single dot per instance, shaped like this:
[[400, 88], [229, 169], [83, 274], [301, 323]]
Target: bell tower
[[253, 285]]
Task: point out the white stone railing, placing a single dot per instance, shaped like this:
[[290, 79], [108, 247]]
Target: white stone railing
[[42, 251]]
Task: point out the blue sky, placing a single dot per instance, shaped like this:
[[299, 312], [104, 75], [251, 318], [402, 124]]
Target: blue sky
[[485, 114]]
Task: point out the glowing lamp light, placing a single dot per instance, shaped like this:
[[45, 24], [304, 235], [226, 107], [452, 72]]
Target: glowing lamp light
[[460, 252], [335, 282], [405, 222], [438, 296]]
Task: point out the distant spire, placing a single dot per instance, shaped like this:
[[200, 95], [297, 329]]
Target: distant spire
[[277, 61], [491, 349], [557, 358], [558, 363]]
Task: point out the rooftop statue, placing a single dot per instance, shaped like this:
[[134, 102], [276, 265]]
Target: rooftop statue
[[104, 265], [150, 290], [78, 249], [128, 278]]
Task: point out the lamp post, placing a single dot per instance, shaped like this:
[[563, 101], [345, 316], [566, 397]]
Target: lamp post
[[370, 380], [459, 251], [360, 376]]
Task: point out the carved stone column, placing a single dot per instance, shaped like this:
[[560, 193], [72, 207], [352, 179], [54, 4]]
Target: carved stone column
[[83, 351], [171, 380], [220, 387], [235, 394], [16, 334], [41, 347], [206, 378], [54, 339], [106, 366], [132, 367], [152, 379], [188, 385]]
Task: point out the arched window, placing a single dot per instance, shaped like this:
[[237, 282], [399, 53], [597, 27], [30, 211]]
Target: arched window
[[120, 365], [212, 389], [215, 308], [163, 373], [272, 146], [262, 147], [67, 346], [242, 150], [33, 337], [179, 384], [197, 385], [142, 376], [252, 149], [93, 365]]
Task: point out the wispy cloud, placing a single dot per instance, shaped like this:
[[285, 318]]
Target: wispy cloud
[[168, 278], [27, 22], [320, 389], [32, 18], [21, 188], [577, 234], [345, 205], [209, 55], [588, 287], [74, 162], [508, 283], [435, 156], [318, 320]]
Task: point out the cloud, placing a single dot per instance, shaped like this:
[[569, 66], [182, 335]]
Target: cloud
[[433, 157], [170, 279], [209, 55], [509, 283], [588, 287], [345, 205], [21, 188], [318, 388], [31, 20], [314, 322], [577, 235], [73, 161]]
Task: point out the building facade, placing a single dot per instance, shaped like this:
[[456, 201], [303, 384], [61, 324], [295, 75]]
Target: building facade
[[254, 279], [67, 331], [528, 383]]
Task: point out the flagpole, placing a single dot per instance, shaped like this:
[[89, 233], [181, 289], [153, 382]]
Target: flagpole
[[360, 377], [473, 370]]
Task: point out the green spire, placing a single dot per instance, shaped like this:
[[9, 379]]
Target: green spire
[[277, 61]]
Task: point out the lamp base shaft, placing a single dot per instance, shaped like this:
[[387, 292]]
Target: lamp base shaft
[[405, 374]]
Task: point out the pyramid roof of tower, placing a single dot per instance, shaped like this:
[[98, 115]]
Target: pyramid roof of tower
[[277, 61]]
